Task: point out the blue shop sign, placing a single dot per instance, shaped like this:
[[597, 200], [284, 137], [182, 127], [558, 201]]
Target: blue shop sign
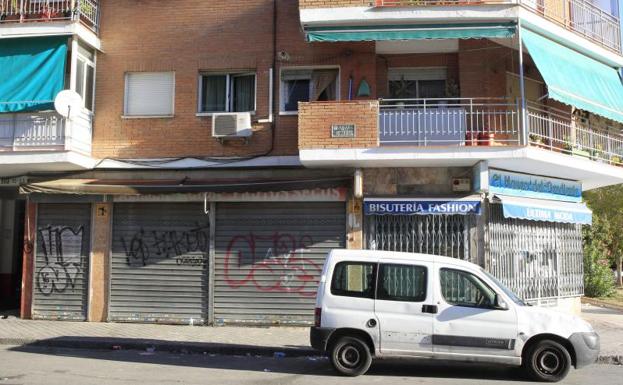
[[532, 186], [405, 206]]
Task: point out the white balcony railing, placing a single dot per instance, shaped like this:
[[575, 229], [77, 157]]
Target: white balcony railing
[[450, 121], [580, 16], [85, 11], [558, 131], [45, 131]]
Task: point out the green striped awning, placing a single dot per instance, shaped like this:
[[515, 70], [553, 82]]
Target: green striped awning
[[410, 32]]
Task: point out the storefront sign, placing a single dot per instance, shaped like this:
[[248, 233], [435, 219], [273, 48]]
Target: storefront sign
[[343, 131], [403, 206], [14, 181], [531, 186], [548, 214]]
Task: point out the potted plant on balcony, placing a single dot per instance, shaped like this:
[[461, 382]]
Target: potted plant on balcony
[[11, 12], [615, 160], [597, 153], [538, 141]]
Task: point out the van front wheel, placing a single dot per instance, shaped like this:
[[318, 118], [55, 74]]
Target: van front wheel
[[350, 356], [547, 361]]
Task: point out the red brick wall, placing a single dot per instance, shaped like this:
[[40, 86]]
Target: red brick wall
[[189, 36], [316, 119]]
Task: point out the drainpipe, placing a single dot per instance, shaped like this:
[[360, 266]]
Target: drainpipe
[[524, 125]]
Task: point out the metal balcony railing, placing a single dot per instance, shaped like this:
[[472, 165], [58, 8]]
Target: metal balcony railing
[[84, 11], [558, 131], [579, 16], [45, 131], [449, 121]]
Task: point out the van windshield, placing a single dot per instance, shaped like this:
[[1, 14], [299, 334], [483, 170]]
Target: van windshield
[[505, 289]]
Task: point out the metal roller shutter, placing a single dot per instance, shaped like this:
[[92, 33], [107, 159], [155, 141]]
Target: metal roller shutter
[[159, 263], [269, 257], [62, 261]]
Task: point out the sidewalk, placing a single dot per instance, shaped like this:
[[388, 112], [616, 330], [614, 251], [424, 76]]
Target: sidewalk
[[290, 341]]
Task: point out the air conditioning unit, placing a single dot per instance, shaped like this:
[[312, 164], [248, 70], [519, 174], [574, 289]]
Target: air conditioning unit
[[231, 125]]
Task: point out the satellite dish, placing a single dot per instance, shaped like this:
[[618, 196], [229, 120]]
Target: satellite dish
[[68, 103]]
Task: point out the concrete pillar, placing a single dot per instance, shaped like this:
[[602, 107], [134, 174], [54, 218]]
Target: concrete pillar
[[30, 230], [354, 223], [100, 262]]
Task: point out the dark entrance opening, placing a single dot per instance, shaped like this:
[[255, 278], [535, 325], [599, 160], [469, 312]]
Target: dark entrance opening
[[11, 287]]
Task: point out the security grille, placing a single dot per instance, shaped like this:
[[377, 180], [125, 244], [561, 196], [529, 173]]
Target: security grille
[[447, 235], [535, 259]]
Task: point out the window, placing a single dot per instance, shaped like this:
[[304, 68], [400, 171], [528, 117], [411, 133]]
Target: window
[[402, 283], [227, 92], [149, 94], [354, 279], [461, 288], [412, 83], [304, 85], [85, 76]]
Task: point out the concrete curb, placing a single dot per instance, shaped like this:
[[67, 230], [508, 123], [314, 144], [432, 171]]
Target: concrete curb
[[157, 345], [607, 305], [192, 347]]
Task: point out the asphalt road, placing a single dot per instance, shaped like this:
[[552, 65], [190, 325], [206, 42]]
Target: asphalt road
[[31, 365]]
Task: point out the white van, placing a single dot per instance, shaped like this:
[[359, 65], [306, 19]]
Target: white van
[[384, 304]]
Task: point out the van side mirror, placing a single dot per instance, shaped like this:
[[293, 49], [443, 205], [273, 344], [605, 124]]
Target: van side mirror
[[499, 303]]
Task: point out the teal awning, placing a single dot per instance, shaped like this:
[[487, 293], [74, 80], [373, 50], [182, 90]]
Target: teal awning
[[32, 72], [576, 79], [410, 32], [545, 210]]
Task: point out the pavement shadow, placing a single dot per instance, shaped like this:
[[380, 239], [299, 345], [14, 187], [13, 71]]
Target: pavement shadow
[[252, 358]]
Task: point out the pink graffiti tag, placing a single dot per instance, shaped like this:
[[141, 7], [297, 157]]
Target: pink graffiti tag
[[279, 269]]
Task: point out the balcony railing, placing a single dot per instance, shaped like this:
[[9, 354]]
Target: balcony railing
[[557, 131], [446, 122], [579, 16], [45, 131], [84, 11]]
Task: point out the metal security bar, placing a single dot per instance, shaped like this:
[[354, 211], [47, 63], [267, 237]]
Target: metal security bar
[[85, 11], [560, 131], [537, 260], [446, 235], [449, 121]]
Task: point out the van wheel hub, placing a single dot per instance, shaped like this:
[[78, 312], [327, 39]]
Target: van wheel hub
[[350, 356], [549, 362]]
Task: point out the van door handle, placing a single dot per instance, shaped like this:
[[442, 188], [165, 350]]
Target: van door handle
[[432, 309]]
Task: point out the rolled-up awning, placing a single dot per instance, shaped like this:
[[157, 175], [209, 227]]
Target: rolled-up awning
[[576, 79], [545, 210], [32, 72], [423, 206], [410, 32]]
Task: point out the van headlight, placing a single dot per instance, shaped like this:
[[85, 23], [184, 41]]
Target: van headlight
[[591, 340]]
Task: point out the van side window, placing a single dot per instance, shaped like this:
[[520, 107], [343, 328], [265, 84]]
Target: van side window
[[402, 283], [354, 279], [461, 288]]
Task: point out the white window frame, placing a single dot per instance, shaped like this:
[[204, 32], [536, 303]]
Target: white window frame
[[87, 63], [229, 100], [417, 74], [282, 89], [125, 97]]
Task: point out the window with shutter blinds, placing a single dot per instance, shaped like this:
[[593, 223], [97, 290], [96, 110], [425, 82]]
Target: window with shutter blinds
[[149, 93]]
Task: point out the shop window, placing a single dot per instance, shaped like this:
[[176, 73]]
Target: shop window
[[461, 288], [416, 83], [402, 283], [228, 92], [305, 85], [353, 279]]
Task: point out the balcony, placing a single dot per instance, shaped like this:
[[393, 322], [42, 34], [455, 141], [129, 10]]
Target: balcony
[[85, 12], [44, 141], [460, 132], [579, 16]]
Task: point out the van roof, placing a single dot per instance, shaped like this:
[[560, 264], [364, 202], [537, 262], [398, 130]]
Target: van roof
[[396, 255]]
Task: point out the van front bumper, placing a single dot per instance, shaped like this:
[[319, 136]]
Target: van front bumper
[[319, 337], [586, 346]]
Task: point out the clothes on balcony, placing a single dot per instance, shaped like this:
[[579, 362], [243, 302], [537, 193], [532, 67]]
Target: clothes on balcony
[[576, 79], [33, 72], [410, 32]]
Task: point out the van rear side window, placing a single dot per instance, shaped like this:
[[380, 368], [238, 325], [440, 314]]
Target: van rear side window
[[354, 279]]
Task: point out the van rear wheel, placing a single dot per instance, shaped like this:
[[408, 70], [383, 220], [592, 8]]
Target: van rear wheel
[[547, 361], [351, 356]]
